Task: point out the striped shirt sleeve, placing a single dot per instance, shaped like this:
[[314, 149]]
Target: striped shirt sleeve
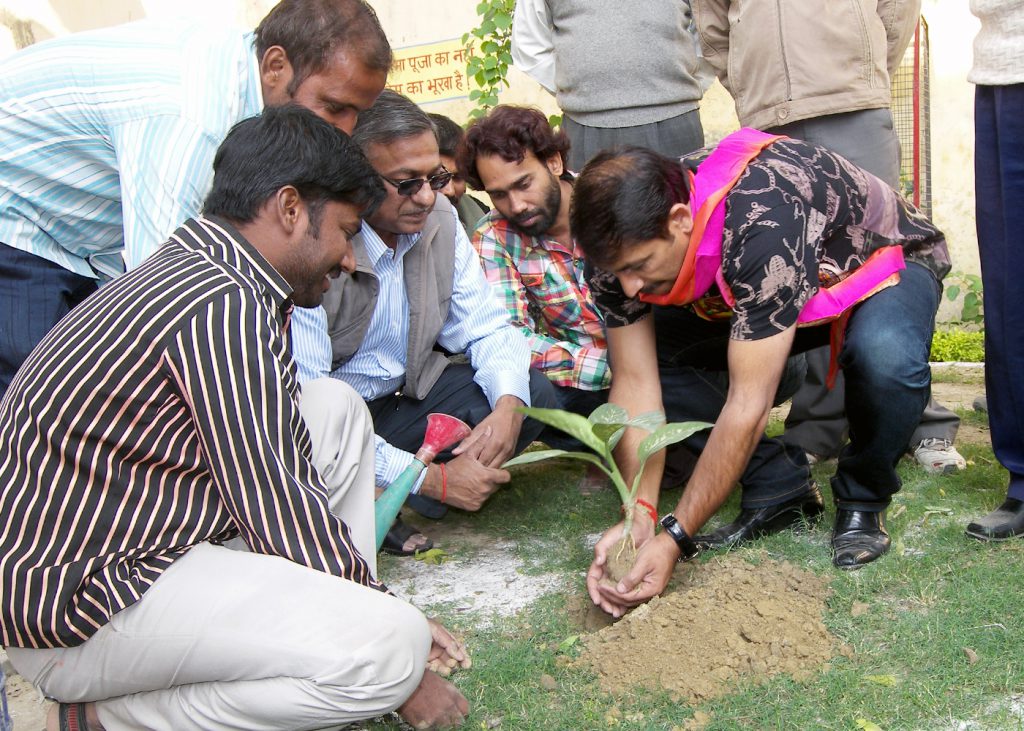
[[166, 169], [242, 398], [311, 345]]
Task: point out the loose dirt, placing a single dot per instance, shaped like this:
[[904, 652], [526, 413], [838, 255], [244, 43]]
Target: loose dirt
[[722, 621]]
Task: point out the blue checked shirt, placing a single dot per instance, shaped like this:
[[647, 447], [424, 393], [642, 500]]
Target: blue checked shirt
[[476, 325], [107, 137]]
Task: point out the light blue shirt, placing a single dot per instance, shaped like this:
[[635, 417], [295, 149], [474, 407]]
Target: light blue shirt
[[107, 137], [476, 325]]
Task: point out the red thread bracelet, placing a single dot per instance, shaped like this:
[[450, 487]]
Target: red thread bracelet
[[444, 481], [650, 510]]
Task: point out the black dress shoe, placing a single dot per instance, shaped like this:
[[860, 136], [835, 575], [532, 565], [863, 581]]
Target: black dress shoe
[[750, 524], [1003, 523], [858, 538]]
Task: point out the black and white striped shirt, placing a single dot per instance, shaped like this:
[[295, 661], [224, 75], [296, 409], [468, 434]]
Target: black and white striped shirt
[[160, 413]]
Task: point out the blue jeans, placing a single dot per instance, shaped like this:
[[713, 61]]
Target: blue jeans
[[888, 382], [999, 190]]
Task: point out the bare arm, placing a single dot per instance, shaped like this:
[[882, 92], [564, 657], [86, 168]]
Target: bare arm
[[755, 368], [636, 387]]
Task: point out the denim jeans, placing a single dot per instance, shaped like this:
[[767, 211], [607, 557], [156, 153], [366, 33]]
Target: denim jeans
[[888, 382]]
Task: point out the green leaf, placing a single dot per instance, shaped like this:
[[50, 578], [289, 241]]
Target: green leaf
[[572, 424], [609, 434], [506, 58], [567, 643], [608, 413], [648, 421], [542, 454], [433, 556], [489, 47], [866, 725], [887, 680], [666, 435], [503, 21], [952, 291]]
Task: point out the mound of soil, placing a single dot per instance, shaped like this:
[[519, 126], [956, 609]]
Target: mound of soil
[[727, 619]]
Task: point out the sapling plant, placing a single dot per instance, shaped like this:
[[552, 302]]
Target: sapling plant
[[601, 432]]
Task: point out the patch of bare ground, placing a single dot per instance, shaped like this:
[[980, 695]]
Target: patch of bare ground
[[480, 576], [722, 621]]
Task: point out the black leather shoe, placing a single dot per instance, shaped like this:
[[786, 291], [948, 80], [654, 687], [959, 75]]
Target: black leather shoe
[[858, 538], [1003, 523], [750, 524]]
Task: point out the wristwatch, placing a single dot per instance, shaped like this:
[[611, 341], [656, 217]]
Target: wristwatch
[[687, 548]]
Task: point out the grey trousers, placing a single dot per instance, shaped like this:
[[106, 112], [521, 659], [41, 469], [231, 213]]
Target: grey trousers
[[228, 639], [673, 137], [817, 420]]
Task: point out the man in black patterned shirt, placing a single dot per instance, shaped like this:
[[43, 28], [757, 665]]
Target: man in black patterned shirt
[[792, 220], [163, 417]]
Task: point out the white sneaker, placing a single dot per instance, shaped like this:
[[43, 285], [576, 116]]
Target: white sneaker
[[939, 456]]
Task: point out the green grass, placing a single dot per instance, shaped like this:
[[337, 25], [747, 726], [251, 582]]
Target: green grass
[[936, 593]]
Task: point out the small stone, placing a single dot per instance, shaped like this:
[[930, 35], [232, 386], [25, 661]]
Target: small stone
[[548, 683], [972, 656]]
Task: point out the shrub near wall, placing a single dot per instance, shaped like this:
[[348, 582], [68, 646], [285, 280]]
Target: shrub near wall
[[958, 346]]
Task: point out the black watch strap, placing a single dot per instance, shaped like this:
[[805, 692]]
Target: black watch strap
[[687, 548]]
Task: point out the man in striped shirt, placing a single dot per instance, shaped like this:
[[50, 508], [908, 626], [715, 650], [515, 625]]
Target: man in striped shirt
[[107, 139], [418, 286], [163, 417]]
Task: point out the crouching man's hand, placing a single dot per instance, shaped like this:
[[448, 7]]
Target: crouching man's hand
[[447, 652], [466, 483], [435, 704]]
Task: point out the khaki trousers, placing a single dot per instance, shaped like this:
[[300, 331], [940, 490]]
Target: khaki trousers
[[229, 639]]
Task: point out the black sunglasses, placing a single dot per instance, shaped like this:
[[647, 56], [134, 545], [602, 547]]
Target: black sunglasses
[[411, 186]]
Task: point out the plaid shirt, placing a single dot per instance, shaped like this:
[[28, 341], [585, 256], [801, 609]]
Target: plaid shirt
[[537, 275]]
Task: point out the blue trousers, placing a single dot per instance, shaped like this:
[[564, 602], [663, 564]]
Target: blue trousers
[[999, 192], [35, 294]]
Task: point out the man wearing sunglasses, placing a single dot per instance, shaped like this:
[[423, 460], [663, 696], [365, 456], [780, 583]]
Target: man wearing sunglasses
[[417, 296]]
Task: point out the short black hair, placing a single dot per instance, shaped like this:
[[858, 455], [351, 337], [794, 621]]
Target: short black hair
[[289, 145], [623, 196], [449, 134], [311, 32]]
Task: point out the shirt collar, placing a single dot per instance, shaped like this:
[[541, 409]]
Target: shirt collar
[[243, 256], [376, 248]]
